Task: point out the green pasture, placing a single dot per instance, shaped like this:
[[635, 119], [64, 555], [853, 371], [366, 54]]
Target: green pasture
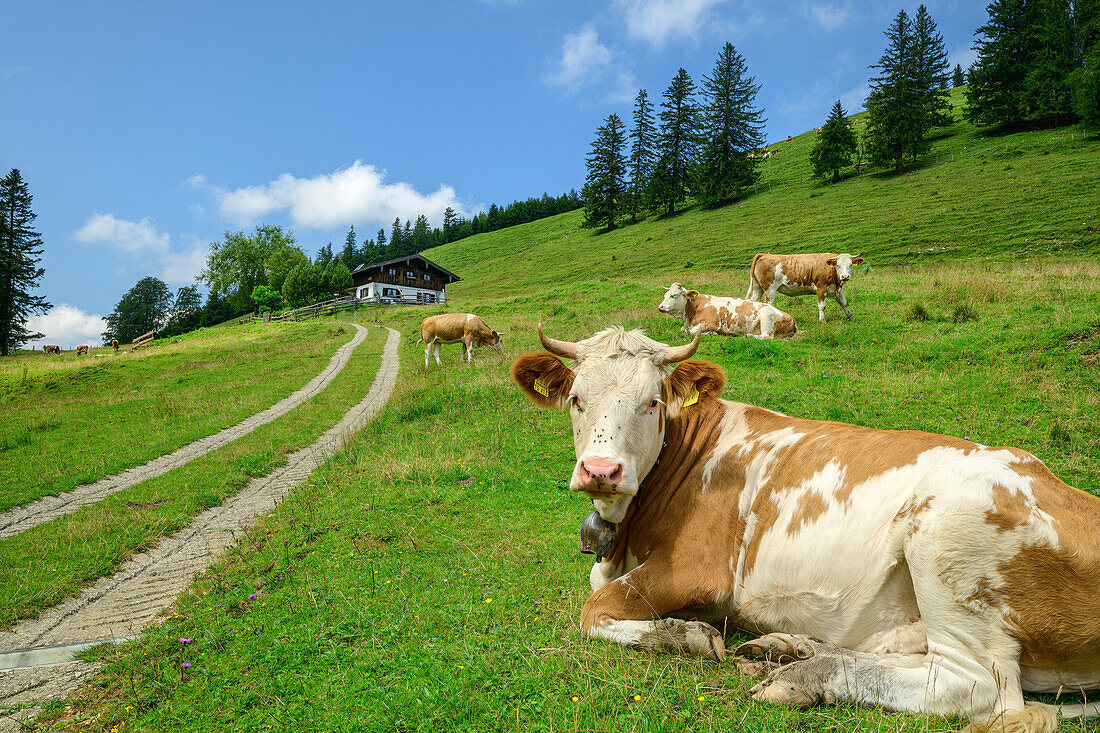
[[973, 197], [427, 578], [69, 420], [52, 561]]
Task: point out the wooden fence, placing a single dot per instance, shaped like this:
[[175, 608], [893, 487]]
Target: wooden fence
[[146, 339], [329, 307]]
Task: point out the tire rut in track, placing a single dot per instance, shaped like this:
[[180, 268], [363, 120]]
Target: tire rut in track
[[121, 605], [47, 508]]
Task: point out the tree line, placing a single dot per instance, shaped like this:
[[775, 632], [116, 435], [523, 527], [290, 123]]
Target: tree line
[[20, 253], [697, 147]]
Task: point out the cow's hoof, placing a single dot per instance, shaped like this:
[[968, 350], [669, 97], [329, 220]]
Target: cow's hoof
[[788, 694], [802, 684], [778, 649], [707, 641]]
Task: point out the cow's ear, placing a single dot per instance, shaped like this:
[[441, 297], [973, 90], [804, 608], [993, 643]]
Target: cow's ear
[[692, 382], [544, 378], [691, 294], [857, 260], [831, 262]]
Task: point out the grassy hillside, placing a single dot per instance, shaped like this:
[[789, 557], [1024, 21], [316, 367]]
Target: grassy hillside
[[997, 198], [69, 420]]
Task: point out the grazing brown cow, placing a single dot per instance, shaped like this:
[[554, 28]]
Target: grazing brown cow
[[710, 314], [82, 349], [114, 344], [51, 349], [901, 569], [452, 328], [823, 275]]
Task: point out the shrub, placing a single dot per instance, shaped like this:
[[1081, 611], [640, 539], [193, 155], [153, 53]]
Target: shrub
[[964, 312], [917, 312]]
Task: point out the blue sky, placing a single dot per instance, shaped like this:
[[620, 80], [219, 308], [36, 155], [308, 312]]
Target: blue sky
[[146, 130]]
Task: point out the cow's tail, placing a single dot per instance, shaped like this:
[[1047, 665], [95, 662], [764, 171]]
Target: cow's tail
[[755, 291]]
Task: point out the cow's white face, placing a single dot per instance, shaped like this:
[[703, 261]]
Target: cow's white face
[[843, 264], [675, 300], [618, 398], [618, 427]]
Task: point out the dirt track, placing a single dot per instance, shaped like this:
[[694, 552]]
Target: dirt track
[[30, 515], [121, 605]]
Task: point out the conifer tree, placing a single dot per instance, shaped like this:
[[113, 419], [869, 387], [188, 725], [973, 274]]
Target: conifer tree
[[450, 223], [731, 127], [394, 250], [957, 78], [20, 248], [605, 185], [349, 253], [930, 72], [833, 150], [896, 117], [677, 143], [643, 139]]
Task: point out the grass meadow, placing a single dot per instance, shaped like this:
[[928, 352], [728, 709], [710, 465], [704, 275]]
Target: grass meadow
[[54, 560], [69, 420], [427, 578]]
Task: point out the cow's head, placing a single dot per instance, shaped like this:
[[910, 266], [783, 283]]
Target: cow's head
[[843, 265], [676, 299], [620, 395], [494, 339]]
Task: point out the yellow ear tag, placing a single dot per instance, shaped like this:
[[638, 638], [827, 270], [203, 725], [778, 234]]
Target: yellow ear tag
[[541, 388], [692, 398]]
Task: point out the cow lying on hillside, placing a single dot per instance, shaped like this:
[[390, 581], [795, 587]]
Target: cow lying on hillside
[[452, 328], [51, 349], [901, 569], [82, 349], [822, 275], [710, 314]]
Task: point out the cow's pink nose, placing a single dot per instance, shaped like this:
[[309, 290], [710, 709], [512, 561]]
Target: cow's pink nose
[[596, 472]]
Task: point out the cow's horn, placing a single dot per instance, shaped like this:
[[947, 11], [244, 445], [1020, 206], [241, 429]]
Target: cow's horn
[[564, 349], [680, 353]]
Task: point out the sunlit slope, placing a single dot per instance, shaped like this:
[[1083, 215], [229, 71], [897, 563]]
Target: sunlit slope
[[973, 196]]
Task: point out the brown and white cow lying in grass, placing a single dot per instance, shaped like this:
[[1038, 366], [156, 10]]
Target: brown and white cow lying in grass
[[710, 314], [51, 349], [453, 328], [822, 275], [907, 570], [82, 349]]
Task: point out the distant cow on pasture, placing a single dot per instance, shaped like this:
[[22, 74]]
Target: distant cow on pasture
[[51, 349], [710, 314], [453, 328], [114, 344], [822, 275], [82, 349], [899, 569]]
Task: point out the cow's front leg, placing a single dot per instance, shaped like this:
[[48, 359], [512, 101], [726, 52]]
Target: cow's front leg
[[631, 611], [821, 304], [843, 303]]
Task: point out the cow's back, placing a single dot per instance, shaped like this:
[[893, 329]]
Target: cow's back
[[446, 328]]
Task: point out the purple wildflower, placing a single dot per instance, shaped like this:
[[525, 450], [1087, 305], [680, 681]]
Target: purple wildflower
[[252, 596], [185, 640], [184, 665]]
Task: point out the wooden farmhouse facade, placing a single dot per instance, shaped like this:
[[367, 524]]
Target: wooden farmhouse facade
[[411, 279]]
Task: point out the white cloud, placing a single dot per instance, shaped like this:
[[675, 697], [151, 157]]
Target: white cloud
[[963, 56], [587, 63], [68, 327], [658, 21], [854, 97], [828, 15], [142, 241], [128, 236], [346, 196], [6, 72]]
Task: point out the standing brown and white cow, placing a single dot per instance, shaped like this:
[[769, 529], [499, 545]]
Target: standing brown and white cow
[[710, 314], [822, 275], [51, 349], [452, 328], [901, 569], [82, 349], [114, 344]]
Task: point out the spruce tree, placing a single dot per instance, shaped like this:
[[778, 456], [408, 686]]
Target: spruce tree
[[731, 127], [396, 243], [605, 185], [20, 248], [834, 148], [349, 253], [930, 72], [450, 223], [957, 78], [677, 143], [643, 139], [896, 115]]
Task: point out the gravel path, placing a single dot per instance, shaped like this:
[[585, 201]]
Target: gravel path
[[43, 510], [121, 605]]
